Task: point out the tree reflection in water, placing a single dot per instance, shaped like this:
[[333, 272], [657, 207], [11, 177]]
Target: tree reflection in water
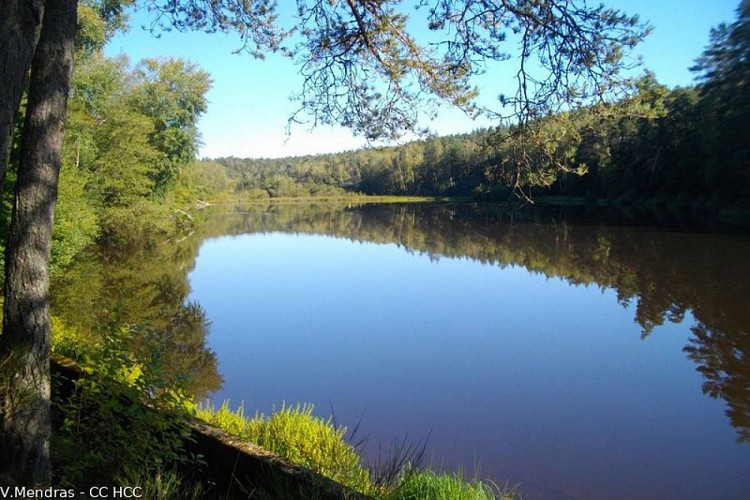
[[144, 285], [665, 272], [724, 361]]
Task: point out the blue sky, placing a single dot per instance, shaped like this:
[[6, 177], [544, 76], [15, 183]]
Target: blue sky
[[249, 103]]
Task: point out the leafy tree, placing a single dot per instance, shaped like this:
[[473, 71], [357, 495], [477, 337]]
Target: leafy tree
[[201, 181], [98, 21], [172, 93], [76, 221], [128, 134], [126, 160], [683, 151]]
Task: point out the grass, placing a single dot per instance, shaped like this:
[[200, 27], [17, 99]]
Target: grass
[[429, 485], [304, 439], [163, 484], [318, 444]]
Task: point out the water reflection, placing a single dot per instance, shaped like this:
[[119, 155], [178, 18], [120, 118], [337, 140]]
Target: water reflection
[[144, 285], [723, 359], [663, 273]]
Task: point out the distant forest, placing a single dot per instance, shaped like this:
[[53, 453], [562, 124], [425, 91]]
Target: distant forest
[[686, 149]]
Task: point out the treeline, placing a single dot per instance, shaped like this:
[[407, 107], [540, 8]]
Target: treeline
[[437, 166], [130, 142], [685, 148], [664, 147]]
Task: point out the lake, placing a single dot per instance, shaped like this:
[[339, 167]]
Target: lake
[[575, 354]]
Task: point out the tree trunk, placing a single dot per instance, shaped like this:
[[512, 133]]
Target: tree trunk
[[20, 23], [26, 324]]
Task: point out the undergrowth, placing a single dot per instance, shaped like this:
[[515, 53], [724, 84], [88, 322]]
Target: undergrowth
[[124, 419], [428, 485]]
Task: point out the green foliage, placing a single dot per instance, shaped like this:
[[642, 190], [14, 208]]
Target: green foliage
[[129, 133], [725, 101], [534, 154], [124, 416], [90, 32], [164, 484], [98, 20], [131, 221], [201, 180], [171, 93], [76, 223], [121, 170], [296, 434], [435, 166]]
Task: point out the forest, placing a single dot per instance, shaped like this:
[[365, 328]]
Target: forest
[[682, 149]]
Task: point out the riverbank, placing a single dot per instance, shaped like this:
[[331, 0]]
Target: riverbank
[[302, 456]]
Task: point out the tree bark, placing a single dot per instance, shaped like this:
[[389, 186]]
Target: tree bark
[[20, 24], [26, 324]]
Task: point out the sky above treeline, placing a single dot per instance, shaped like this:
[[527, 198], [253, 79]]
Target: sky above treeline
[[249, 103]]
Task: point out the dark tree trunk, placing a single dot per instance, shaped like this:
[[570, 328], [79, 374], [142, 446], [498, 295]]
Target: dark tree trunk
[[26, 324], [20, 21]]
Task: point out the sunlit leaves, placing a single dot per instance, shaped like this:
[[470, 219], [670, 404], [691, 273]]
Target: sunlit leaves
[[129, 132], [172, 93]]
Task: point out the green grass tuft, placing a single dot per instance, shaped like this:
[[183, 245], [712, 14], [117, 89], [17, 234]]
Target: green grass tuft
[[428, 485], [298, 435]]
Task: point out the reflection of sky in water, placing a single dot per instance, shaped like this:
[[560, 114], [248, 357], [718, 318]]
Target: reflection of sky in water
[[528, 377]]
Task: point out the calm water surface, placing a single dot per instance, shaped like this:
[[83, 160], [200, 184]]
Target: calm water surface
[[576, 359]]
